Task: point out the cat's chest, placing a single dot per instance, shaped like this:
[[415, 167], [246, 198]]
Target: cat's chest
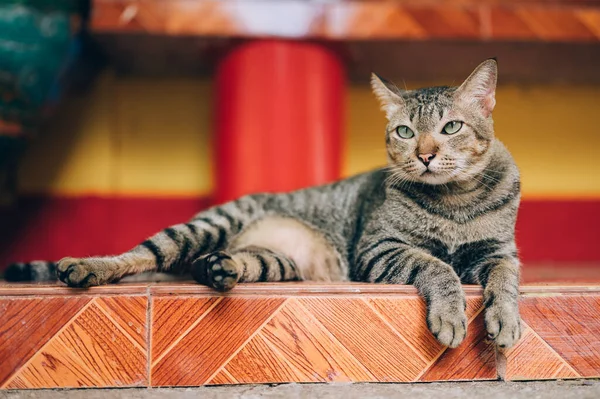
[[462, 245], [453, 232], [448, 233], [461, 256]]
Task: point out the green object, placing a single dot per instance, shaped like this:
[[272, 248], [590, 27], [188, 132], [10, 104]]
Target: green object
[[35, 44], [69, 6]]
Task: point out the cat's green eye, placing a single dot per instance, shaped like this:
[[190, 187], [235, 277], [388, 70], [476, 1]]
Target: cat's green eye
[[452, 127], [405, 132]]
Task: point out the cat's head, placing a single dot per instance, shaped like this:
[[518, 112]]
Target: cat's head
[[438, 135]]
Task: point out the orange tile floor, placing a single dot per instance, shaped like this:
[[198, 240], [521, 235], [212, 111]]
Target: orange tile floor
[[183, 334]]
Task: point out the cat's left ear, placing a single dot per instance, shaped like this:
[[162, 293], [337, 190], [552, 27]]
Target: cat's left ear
[[480, 86], [388, 94]]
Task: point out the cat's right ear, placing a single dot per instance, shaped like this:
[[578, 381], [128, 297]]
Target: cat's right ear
[[480, 86], [387, 94]]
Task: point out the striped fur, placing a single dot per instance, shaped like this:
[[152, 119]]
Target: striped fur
[[38, 270], [432, 225]]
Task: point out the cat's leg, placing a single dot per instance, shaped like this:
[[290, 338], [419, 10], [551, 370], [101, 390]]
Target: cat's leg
[[500, 279], [223, 270], [171, 250], [391, 261], [273, 248]]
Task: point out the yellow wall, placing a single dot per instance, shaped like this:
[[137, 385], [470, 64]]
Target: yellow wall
[[142, 136], [126, 137]]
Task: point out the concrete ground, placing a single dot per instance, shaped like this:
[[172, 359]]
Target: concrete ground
[[464, 390]]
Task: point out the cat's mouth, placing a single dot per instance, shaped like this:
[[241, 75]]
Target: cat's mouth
[[433, 177]]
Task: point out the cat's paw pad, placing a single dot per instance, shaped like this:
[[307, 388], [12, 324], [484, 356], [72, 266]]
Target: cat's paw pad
[[78, 273], [448, 325], [220, 271], [503, 324]]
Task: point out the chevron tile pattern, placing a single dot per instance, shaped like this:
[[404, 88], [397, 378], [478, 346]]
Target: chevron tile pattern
[[542, 20], [186, 335], [73, 342], [561, 339], [314, 339]]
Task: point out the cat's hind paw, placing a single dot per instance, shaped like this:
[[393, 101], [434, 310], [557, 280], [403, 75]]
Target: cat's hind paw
[[217, 270]]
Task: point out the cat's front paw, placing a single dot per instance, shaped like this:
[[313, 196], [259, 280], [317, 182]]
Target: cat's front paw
[[503, 323], [82, 273], [448, 323]]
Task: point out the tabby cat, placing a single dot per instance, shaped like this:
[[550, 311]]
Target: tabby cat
[[443, 212]]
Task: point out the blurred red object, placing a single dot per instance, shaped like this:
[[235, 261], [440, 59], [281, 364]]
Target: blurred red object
[[279, 118]]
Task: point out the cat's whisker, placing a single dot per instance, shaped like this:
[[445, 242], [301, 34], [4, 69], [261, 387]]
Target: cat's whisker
[[483, 179], [488, 169], [394, 176], [477, 180]]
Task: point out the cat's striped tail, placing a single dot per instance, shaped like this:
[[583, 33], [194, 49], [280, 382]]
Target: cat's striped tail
[[38, 270]]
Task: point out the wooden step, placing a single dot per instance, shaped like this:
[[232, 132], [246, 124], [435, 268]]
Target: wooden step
[[183, 334], [502, 20]]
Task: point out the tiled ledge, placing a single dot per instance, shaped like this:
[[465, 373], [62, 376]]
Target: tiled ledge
[[187, 335]]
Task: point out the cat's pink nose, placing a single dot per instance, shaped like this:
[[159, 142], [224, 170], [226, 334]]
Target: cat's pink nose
[[426, 158]]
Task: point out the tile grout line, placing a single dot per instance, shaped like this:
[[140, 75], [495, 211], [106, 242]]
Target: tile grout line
[[90, 369], [431, 363], [477, 313], [247, 340], [67, 324], [92, 374], [387, 323], [125, 333], [332, 337], [565, 363], [150, 299], [283, 358], [554, 376], [225, 371], [183, 334], [437, 357]]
